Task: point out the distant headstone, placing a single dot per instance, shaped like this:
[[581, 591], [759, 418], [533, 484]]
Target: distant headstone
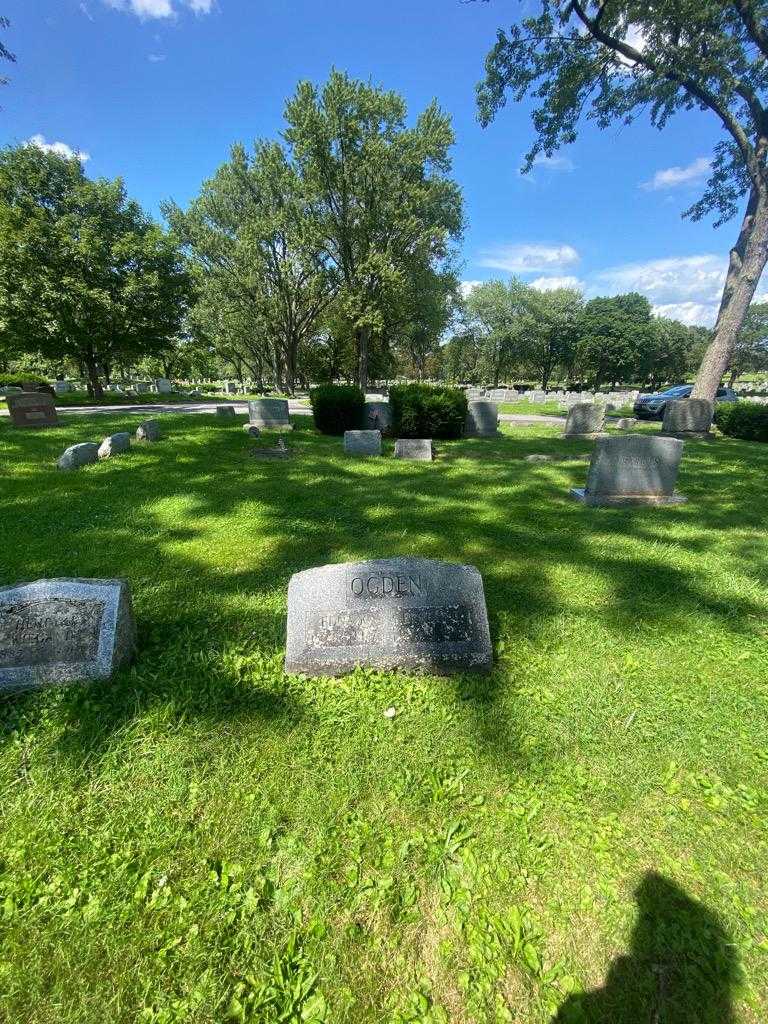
[[142, 387], [163, 386], [482, 419], [411, 613], [230, 388], [634, 469], [32, 409], [115, 444], [626, 423], [225, 411], [362, 442], [78, 455], [64, 630], [585, 420], [378, 416], [419, 449], [688, 418], [149, 430], [269, 413], [62, 387], [251, 429]]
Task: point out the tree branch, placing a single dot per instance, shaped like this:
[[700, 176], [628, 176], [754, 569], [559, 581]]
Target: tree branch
[[752, 25]]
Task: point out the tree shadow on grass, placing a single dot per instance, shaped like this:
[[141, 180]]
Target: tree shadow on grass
[[680, 968]]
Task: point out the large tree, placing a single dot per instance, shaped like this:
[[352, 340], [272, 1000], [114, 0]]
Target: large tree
[[613, 59], [751, 352], [551, 331], [378, 194], [612, 333], [84, 273]]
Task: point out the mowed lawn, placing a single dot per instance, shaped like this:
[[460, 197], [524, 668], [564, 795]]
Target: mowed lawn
[[580, 836]]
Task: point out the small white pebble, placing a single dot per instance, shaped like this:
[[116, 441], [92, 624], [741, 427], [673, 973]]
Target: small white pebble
[[390, 713]]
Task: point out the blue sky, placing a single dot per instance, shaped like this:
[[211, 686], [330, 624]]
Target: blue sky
[[157, 90]]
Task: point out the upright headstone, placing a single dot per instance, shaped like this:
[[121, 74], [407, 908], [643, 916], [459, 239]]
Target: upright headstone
[[149, 430], [269, 414], [411, 613], [482, 419], [32, 409], [230, 387], [62, 387], [417, 449], [225, 411], [634, 469], [64, 630], [688, 418], [78, 455], [115, 444], [142, 387], [163, 386], [362, 442], [585, 420], [378, 416]]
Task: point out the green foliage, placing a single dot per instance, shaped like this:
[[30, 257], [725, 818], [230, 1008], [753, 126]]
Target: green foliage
[[611, 333], [422, 410], [746, 420], [17, 379], [750, 354], [337, 407]]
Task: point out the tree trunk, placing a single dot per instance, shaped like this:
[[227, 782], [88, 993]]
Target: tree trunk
[[746, 263], [95, 389], [363, 335]]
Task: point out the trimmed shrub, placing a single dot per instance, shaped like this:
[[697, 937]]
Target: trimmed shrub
[[747, 420], [15, 380], [422, 410], [337, 407]]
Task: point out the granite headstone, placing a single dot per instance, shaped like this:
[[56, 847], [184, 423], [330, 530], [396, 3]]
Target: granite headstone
[[482, 419], [362, 442], [634, 469], [149, 430], [62, 630], [115, 444], [225, 411], [78, 455], [32, 409], [585, 420], [418, 449], [269, 414], [688, 418], [378, 416], [411, 613]]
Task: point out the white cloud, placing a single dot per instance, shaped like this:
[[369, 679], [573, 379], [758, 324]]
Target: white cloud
[[60, 148], [671, 177], [686, 288], [554, 163], [200, 6], [160, 8], [467, 287], [155, 58], [691, 313], [534, 258], [550, 284]]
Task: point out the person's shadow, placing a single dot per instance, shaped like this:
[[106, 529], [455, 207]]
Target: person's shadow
[[681, 968]]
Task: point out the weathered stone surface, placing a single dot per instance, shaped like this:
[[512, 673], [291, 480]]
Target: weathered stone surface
[[63, 630], [419, 449], [251, 429], [163, 386], [269, 413], [362, 442], [585, 419], [688, 418], [482, 419], [633, 470], [115, 444], [32, 409], [142, 387], [78, 455], [378, 416], [225, 411], [626, 423], [149, 430], [62, 387], [412, 613]]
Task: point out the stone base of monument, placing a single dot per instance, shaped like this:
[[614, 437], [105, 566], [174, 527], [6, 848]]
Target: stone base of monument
[[63, 631], [625, 500], [689, 435], [584, 437]]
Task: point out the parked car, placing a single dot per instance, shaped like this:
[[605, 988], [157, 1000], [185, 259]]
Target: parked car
[[651, 407]]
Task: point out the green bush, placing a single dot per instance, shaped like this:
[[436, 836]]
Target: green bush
[[747, 420], [421, 410], [337, 407], [15, 380]]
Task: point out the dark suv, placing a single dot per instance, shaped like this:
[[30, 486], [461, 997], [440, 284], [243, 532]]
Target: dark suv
[[651, 407]]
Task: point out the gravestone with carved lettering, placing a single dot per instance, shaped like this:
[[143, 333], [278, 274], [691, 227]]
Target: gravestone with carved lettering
[[362, 442], [634, 469], [378, 416], [688, 418], [585, 420], [411, 613], [269, 414], [63, 630], [418, 449], [482, 419], [32, 409]]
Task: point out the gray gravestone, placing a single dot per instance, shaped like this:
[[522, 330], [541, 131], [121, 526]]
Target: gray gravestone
[[78, 455], [585, 419], [163, 386], [688, 418], [149, 430], [626, 423], [362, 442], [115, 444], [63, 630], [419, 449], [31, 409], [482, 419], [633, 470], [269, 413], [378, 416], [62, 387], [412, 613], [225, 411]]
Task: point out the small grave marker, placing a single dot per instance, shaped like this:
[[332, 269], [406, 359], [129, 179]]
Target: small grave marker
[[362, 442], [417, 449]]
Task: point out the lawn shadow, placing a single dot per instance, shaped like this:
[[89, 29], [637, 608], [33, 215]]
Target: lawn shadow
[[681, 967]]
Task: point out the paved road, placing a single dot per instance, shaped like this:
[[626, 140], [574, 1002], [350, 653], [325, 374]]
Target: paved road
[[295, 408]]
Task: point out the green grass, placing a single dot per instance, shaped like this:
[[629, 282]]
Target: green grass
[[580, 836], [525, 408]]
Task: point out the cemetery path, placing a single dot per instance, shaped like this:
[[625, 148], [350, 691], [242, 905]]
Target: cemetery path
[[294, 407]]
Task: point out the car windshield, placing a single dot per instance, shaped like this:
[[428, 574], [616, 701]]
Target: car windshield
[[681, 389]]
